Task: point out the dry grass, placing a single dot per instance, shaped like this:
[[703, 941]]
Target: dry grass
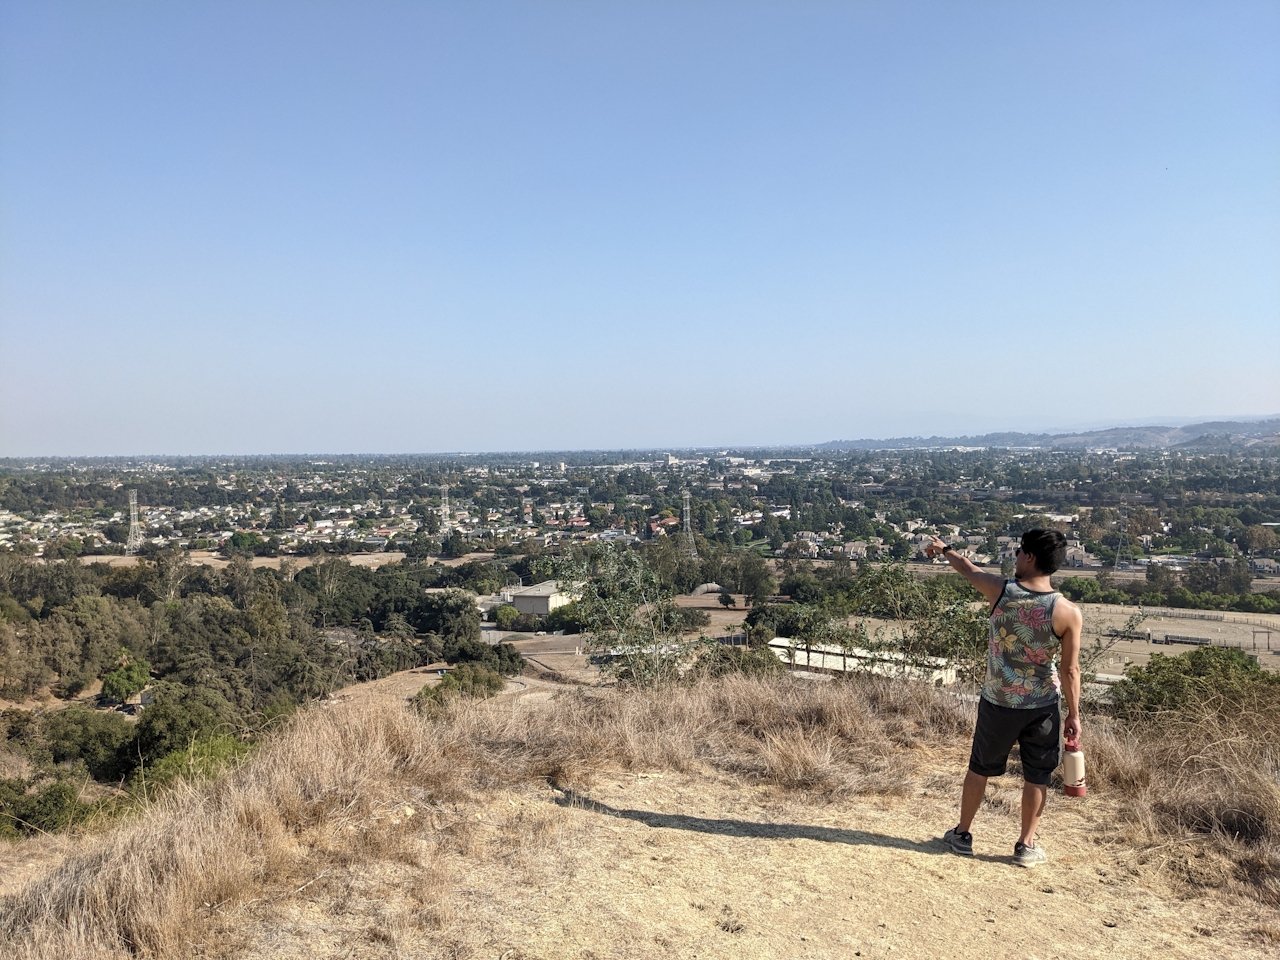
[[348, 786], [13, 766], [339, 789], [1199, 791]]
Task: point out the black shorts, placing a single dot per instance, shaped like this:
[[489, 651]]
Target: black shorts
[[1035, 731]]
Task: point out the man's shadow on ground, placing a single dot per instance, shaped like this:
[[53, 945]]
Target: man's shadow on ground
[[764, 831]]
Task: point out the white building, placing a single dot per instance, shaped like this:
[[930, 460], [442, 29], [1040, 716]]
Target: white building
[[540, 599]]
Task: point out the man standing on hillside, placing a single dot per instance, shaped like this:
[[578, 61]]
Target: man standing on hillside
[[1031, 624]]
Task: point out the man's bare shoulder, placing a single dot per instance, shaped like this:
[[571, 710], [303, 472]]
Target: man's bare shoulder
[[1070, 611]]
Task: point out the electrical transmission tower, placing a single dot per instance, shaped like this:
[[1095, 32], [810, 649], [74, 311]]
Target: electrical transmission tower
[[446, 521], [1124, 549], [134, 543], [688, 528]]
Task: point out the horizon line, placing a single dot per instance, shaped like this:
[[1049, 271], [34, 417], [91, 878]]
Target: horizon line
[[1048, 434]]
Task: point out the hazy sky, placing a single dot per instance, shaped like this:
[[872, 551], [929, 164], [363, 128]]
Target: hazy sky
[[377, 227]]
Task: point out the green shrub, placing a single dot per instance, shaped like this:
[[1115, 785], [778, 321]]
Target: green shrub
[[1204, 675], [691, 619], [721, 660], [528, 623], [179, 716], [202, 759], [53, 808], [124, 683], [563, 618], [502, 658], [101, 740], [470, 680]]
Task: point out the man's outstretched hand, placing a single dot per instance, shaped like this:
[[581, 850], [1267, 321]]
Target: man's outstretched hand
[[935, 548]]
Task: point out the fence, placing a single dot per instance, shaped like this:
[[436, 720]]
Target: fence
[[1181, 614]]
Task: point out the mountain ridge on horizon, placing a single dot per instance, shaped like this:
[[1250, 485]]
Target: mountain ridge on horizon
[[1217, 433]]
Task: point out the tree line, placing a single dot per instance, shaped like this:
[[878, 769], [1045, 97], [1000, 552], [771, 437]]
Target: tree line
[[221, 653]]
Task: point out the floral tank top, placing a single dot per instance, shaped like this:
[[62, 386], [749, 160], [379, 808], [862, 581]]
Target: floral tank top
[[1021, 671]]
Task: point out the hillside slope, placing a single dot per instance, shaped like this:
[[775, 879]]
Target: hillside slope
[[736, 818]]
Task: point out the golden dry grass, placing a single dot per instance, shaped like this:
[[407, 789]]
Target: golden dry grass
[[343, 788], [337, 780], [1199, 791]]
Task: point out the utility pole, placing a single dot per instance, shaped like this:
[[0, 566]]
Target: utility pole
[[134, 543]]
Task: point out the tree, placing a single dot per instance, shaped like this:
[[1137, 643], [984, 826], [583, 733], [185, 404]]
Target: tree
[[1259, 539], [752, 577], [130, 678], [1161, 578], [244, 543], [420, 547], [505, 616], [64, 548], [331, 576], [629, 618], [455, 545], [172, 569], [397, 625], [99, 739], [1237, 578], [727, 600], [179, 716], [240, 580], [451, 615]]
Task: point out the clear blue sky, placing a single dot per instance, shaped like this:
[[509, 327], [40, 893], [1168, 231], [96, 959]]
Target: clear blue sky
[[377, 227]]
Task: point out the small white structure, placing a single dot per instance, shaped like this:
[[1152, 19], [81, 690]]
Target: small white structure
[[540, 599], [888, 663]]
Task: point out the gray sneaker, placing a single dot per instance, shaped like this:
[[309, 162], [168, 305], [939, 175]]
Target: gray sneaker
[[958, 841], [1028, 855]]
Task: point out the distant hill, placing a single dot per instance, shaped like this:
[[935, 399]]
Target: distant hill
[[1215, 435]]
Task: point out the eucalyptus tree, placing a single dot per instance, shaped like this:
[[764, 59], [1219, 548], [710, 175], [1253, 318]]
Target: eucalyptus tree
[[630, 621]]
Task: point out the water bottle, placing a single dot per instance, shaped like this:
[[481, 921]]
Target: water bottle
[[1073, 770]]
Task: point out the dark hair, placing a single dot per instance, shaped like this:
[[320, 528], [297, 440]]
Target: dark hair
[[1048, 547]]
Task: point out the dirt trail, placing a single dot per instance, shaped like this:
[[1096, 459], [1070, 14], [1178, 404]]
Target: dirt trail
[[672, 865], [690, 865], [676, 866]]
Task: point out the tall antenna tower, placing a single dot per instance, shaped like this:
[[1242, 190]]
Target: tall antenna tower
[[688, 527], [446, 521], [134, 543], [1124, 549]]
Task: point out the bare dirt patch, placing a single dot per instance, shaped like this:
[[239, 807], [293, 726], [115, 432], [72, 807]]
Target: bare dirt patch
[[218, 562], [668, 865]]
